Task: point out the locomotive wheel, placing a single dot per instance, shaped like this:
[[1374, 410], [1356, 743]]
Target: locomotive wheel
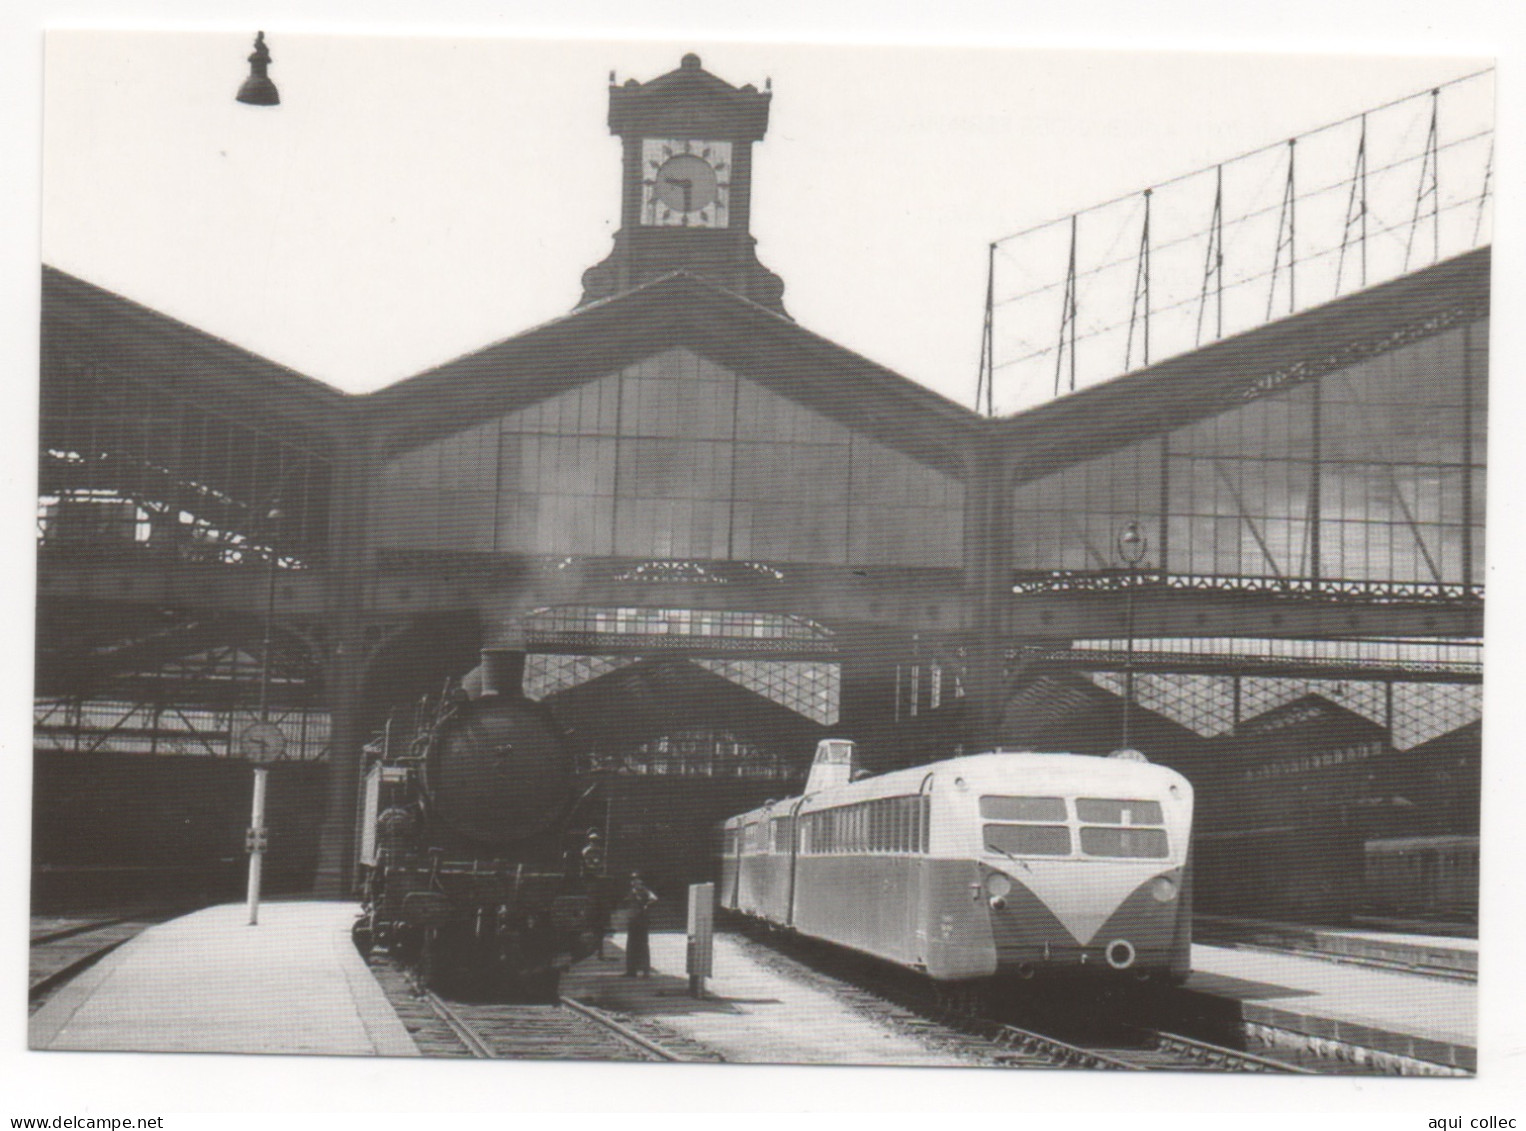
[[361, 935]]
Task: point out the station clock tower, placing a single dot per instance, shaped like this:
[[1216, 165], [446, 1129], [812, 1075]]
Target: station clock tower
[[686, 185]]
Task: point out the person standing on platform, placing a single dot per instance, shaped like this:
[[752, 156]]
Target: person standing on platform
[[638, 951]]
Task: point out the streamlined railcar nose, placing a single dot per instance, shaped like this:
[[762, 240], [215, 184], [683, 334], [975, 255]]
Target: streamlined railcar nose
[[1142, 934]]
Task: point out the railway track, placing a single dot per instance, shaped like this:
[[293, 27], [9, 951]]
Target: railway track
[[60, 949], [1147, 1050], [567, 1030], [911, 1005]]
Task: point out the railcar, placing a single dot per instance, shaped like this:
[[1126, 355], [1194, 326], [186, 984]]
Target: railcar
[[1423, 875], [478, 868], [991, 866]]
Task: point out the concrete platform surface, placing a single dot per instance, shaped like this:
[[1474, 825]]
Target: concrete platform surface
[[751, 1015], [1407, 1015], [1446, 953], [209, 982]]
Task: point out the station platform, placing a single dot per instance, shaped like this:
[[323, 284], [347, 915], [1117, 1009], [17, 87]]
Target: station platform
[[209, 982], [750, 1014], [1442, 954], [1392, 1014], [1402, 1015]]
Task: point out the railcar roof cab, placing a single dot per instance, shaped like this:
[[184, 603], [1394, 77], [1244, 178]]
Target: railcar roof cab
[[997, 864]]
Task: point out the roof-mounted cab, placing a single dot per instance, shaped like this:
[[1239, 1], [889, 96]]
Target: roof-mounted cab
[[834, 764]]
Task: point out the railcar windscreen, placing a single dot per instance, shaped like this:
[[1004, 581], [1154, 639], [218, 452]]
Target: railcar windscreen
[[1022, 808], [1096, 811], [1147, 844], [1028, 840]]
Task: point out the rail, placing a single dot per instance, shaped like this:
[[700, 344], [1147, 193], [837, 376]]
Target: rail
[[567, 1030]]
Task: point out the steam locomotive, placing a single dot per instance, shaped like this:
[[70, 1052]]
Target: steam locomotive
[[478, 866]]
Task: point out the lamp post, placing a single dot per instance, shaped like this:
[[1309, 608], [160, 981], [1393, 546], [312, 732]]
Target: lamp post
[[1132, 547], [262, 742]]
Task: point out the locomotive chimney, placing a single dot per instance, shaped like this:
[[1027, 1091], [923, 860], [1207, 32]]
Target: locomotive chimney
[[501, 673]]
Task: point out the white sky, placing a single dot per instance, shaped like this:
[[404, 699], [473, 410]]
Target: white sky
[[413, 199], [408, 204]]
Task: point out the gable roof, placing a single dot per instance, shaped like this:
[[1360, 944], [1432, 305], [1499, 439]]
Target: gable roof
[[677, 310], [684, 310], [1213, 379], [132, 340]]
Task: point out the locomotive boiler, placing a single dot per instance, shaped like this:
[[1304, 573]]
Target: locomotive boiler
[[479, 868]]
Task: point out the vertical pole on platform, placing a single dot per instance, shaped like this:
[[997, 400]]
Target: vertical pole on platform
[[1128, 658], [701, 937], [256, 843], [1132, 547], [262, 747]]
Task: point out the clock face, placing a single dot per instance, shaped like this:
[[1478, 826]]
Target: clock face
[[685, 183], [262, 742]]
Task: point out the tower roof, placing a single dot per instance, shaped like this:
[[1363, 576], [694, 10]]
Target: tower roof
[[688, 102]]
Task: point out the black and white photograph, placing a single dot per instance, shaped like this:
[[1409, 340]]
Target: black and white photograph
[[949, 556]]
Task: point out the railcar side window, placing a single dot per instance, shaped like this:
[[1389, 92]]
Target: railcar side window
[[1022, 808], [1096, 811], [889, 824], [1029, 840]]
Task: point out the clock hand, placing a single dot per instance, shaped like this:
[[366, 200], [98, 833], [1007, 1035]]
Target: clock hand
[[687, 184]]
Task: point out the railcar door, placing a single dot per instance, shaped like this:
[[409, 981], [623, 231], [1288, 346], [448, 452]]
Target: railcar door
[[794, 860], [918, 898], [730, 865]]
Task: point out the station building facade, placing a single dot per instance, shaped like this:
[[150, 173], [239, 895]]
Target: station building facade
[[719, 536]]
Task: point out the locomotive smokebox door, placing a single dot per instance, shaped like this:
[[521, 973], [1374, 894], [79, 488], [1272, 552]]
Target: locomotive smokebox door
[[498, 771]]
